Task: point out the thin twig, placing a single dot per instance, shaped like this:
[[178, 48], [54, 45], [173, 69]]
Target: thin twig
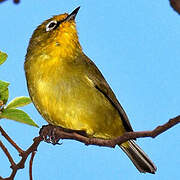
[[141, 134], [11, 141], [175, 4], [15, 1], [2, 1], [24, 156], [7, 154], [30, 165]]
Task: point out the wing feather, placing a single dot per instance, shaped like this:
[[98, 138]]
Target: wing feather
[[102, 86]]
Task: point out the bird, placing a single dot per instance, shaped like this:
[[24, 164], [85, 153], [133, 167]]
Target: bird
[[69, 90]]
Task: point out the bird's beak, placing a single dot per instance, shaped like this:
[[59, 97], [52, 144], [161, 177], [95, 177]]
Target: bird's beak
[[72, 15]]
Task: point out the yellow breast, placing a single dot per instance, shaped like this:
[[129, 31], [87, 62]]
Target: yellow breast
[[65, 96]]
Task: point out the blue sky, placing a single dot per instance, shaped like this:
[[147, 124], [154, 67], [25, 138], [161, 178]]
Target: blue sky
[[136, 46]]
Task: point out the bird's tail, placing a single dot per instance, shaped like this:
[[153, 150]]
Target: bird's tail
[[139, 158]]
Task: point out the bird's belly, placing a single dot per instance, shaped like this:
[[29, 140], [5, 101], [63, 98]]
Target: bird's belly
[[73, 104]]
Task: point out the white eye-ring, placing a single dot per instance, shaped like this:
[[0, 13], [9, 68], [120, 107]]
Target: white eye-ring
[[51, 25]]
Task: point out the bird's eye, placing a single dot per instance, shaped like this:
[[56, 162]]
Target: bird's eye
[[51, 25]]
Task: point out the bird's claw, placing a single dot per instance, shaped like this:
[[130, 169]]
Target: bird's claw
[[48, 133]]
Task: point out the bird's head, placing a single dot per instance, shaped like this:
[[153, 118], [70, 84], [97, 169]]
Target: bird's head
[[56, 35]]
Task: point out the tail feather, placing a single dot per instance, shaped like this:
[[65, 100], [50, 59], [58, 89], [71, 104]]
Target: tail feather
[[139, 158]]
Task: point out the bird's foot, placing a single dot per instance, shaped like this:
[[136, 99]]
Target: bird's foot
[[48, 133]]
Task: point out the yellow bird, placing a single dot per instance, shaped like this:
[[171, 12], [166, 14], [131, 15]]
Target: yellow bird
[[69, 91]]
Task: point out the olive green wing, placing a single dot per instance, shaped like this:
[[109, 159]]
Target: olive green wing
[[102, 86]]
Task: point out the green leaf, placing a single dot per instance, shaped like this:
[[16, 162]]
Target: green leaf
[[17, 115], [3, 85], [4, 96], [3, 57], [19, 102], [4, 92]]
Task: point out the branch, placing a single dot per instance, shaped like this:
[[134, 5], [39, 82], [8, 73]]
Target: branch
[[61, 133], [24, 156], [10, 141], [56, 133], [30, 165], [175, 4], [15, 1], [7, 154]]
